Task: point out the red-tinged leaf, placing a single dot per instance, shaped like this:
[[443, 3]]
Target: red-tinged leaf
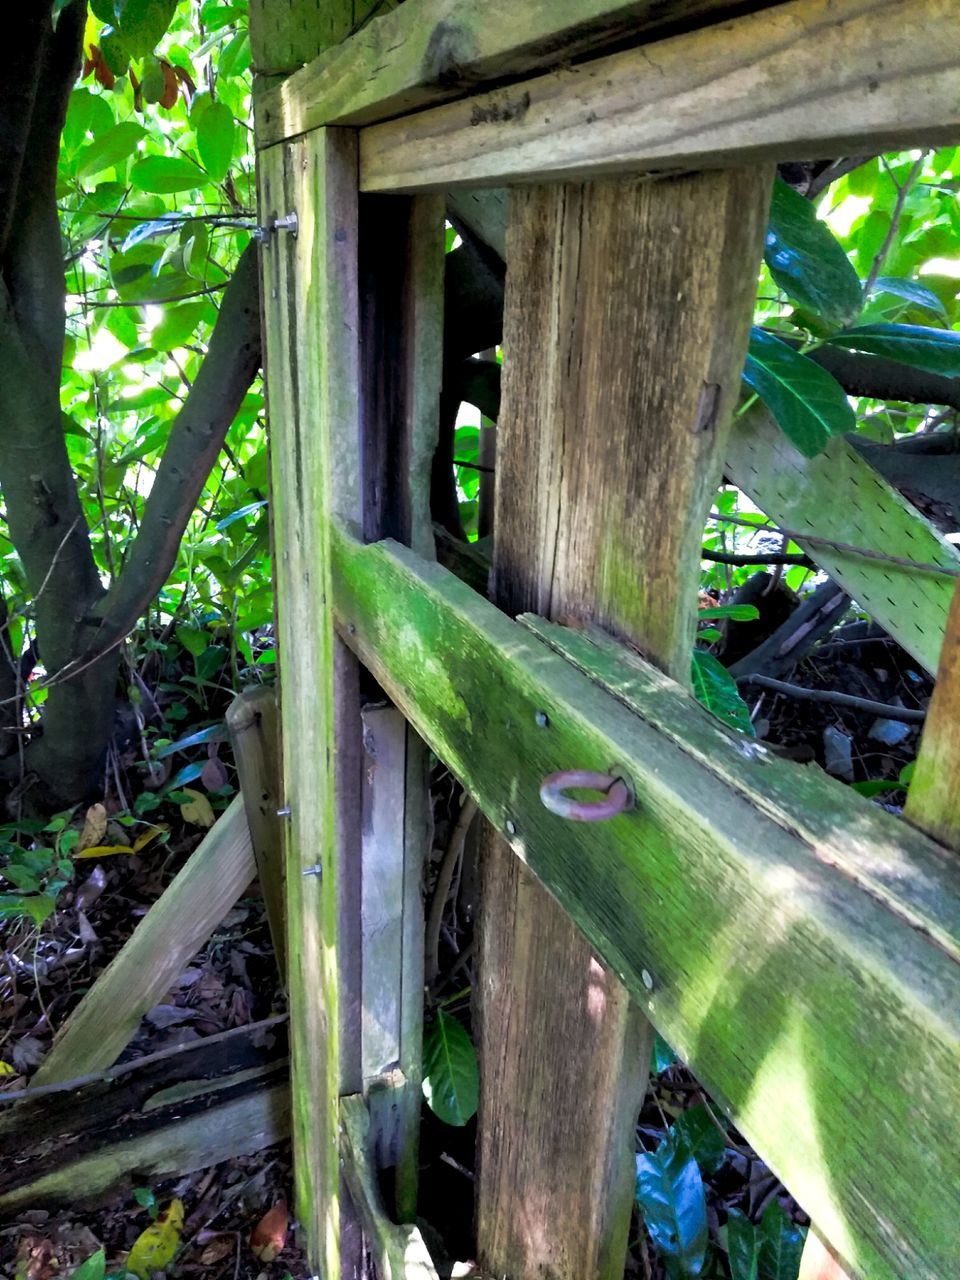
[[269, 1236]]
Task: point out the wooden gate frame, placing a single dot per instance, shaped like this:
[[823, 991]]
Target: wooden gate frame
[[837, 1035]]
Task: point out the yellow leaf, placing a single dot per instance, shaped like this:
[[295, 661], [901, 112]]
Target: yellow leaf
[[104, 850], [145, 837], [198, 809], [94, 827], [154, 1249], [7, 1070]]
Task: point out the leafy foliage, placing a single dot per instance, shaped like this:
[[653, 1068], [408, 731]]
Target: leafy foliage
[[806, 401], [807, 262], [670, 1194], [714, 688], [450, 1075]]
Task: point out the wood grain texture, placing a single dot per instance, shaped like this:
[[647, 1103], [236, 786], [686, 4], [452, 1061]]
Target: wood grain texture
[[312, 321], [625, 328], [838, 495], [173, 930], [784, 980], [431, 50], [400, 1252], [253, 719], [882, 75], [933, 800], [237, 1126]]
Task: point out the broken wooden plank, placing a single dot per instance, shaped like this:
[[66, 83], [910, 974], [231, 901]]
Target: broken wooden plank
[[432, 50], [399, 1251], [253, 719], [884, 76], [173, 930], [246, 1120], [45, 1128], [774, 971], [838, 496], [627, 315]]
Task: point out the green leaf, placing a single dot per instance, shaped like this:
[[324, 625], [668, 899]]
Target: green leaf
[[193, 639], [669, 1191], [94, 1268], [715, 689], [806, 260], [911, 291], [142, 23], [177, 325], [215, 136], [103, 9], [450, 1074], [808, 404], [115, 52], [781, 1245], [935, 350], [110, 148], [21, 878], [701, 1136], [38, 906], [743, 1247], [736, 612], [162, 175]]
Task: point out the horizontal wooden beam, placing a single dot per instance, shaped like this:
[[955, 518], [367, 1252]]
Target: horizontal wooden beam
[[430, 51], [838, 496], [776, 927], [801, 80]]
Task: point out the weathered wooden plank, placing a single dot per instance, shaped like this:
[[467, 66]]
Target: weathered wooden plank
[[41, 1129], [311, 309], [401, 265], [175, 927], [431, 50], [933, 800], [883, 75], [626, 321], [239, 1126], [253, 719], [789, 988], [839, 496], [817, 807], [398, 1251]]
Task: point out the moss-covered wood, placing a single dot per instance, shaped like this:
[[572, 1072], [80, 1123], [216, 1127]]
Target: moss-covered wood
[[780, 975], [625, 328], [884, 75], [839, 496], [311, 310], [431, 50]]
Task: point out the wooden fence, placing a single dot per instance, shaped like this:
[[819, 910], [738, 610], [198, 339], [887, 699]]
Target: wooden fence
[[796, 945]]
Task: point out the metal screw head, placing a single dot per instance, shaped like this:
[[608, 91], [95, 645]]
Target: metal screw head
[[511, 827], [541, 720], [647, 979], [284, 811], [316, 870]]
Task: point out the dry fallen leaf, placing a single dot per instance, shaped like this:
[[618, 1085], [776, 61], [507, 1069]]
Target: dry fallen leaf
[[270, 1234], [94, 827], [141, 842], [217, 1250], [197, 809], [154, 1248]]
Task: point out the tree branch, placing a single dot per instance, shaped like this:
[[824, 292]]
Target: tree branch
[[861, 375], [30, 26], [196, 439]]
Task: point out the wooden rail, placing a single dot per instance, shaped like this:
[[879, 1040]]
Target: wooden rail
[[882, 74], [773, 924]]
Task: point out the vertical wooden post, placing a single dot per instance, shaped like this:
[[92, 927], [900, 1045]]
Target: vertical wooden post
[[253, 719], [310, 304], [628, 307]]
